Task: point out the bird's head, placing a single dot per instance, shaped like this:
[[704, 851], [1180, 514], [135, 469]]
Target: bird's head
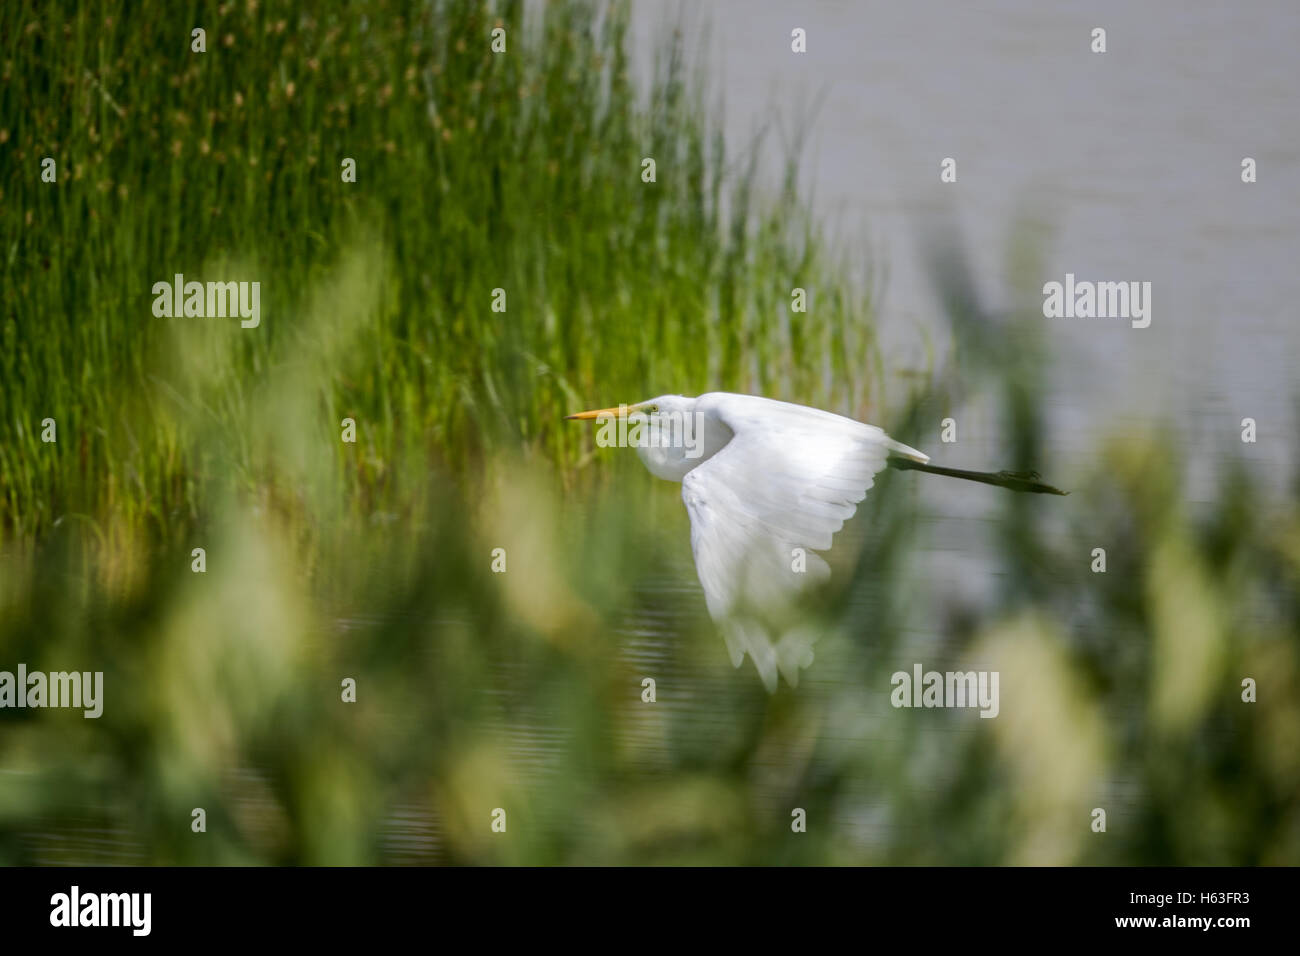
[[663, 405], [669, 434]]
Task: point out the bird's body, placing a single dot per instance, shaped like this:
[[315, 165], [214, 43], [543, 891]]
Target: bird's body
[[766, 484]]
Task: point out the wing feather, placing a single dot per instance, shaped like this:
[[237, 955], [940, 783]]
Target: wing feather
[[788, 479]]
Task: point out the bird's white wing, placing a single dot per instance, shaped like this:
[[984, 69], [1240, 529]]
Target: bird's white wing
[[777, 491]]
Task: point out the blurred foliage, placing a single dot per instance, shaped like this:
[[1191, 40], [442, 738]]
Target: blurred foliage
[[522, 690]]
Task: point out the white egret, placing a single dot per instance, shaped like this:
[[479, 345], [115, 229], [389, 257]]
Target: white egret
[[766, 484]]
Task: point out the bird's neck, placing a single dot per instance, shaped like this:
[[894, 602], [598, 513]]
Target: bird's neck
[[672, 446]]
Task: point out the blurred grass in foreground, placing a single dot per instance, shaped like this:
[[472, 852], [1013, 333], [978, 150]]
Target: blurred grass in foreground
[[522, 691], [372, 561]]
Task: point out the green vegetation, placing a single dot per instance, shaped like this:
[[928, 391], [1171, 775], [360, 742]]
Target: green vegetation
[[475, 171]]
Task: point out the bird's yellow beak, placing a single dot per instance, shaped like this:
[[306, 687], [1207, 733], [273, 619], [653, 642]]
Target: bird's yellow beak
[[599, 413]]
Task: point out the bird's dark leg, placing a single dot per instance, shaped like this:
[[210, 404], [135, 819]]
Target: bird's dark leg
[[1012, 480]]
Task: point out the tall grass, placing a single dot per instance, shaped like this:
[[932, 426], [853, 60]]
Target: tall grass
[[475, 171]]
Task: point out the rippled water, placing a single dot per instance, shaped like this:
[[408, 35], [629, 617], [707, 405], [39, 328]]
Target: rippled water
[[1132, 157]]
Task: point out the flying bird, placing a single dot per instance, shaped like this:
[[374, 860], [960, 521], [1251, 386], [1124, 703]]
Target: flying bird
[[766, 484]]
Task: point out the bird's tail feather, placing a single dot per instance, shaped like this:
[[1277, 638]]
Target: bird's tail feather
[[1012, 480]]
